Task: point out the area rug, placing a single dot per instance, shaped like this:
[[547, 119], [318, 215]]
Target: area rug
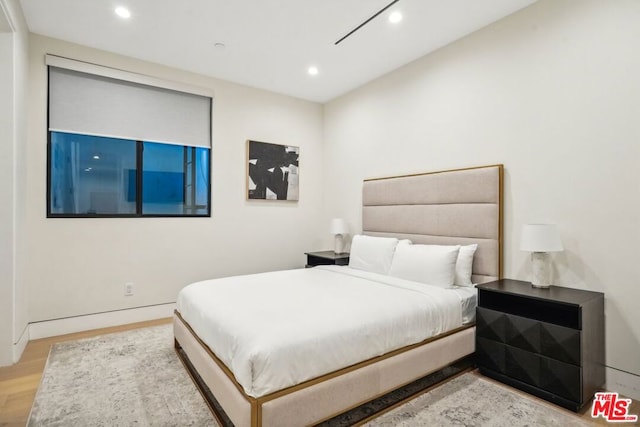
[[135, 378], [471, 400], [121, 379]]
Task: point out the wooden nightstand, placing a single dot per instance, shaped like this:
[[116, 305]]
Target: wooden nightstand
[[326, 258], [547, 342]]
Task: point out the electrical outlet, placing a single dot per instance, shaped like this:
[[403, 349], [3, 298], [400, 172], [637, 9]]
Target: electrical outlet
[[128, 289]]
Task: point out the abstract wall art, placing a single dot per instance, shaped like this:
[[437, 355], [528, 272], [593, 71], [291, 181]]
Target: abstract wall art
[[272, 171]]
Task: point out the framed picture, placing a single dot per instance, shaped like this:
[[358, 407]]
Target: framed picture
[[272, 171]]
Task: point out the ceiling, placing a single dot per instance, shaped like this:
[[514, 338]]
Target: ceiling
[[269, 44]]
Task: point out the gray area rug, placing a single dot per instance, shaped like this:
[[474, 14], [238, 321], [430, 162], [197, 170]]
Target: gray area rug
[[134, 378], [471, 400], [121, 379]]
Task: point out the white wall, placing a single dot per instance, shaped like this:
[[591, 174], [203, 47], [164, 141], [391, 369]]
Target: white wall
[[553, 93], [21, 58], [79, 266], [13, 303], [7, 252]]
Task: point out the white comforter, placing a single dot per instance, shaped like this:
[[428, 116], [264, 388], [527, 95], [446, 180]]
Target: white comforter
[[275, 330]]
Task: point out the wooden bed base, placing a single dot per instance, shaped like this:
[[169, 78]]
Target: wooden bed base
[[322, 398]]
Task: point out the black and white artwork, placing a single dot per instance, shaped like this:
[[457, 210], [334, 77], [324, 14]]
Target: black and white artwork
[[273, 171]]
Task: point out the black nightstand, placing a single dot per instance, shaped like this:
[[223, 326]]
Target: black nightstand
[[326, 258], [547, 342]]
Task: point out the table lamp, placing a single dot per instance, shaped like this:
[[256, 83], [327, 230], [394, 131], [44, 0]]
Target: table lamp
[[338, 228], [540, 239]]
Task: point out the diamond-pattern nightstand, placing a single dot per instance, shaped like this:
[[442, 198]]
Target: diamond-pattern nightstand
[[548, 342]]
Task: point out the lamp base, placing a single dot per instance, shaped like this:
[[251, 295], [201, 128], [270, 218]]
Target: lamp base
[[339, 244], [541, 270]]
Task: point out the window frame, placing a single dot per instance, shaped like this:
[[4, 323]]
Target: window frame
[[139, 188]]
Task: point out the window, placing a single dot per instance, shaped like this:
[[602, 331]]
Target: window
[[89, 175], [98, 176], [118, 147], [175, 180]]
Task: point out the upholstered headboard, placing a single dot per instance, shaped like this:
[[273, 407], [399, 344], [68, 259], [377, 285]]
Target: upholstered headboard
[[461, 206]]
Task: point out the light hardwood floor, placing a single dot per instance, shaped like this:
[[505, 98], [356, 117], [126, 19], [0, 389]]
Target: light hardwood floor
[[18, 383]]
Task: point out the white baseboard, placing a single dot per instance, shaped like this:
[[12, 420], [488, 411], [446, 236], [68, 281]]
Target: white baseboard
[[18, 347], [622, 382], [69, 325]]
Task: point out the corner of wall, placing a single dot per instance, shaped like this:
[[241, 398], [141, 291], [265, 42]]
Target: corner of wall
[[21, 344]]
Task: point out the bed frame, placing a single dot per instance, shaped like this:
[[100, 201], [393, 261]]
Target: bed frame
[[460, 206]]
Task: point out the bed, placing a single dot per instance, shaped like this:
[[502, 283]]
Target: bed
[[283, 385]]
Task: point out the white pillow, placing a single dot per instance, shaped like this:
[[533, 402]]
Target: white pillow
[[430, 264], [464, 265], [373, 254]]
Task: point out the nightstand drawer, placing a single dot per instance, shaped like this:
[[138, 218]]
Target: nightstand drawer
[[522, 333], [548, 374], [523, 365], [491, 324], [561, 378], [491, 355], [560, 343], [556, 342]]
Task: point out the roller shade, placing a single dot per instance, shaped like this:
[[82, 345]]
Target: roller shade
[[116, 104]]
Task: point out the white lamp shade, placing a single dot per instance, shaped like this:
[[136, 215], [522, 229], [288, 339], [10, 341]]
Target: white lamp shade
[[540, 238], [338, 226]]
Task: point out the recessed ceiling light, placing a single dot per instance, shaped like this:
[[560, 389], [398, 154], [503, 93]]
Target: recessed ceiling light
[[123, 12], [313, 71], [219, 45], [96, 157], [395, 17]]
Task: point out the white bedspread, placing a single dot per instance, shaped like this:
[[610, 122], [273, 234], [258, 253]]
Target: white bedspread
[[275, 330]]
